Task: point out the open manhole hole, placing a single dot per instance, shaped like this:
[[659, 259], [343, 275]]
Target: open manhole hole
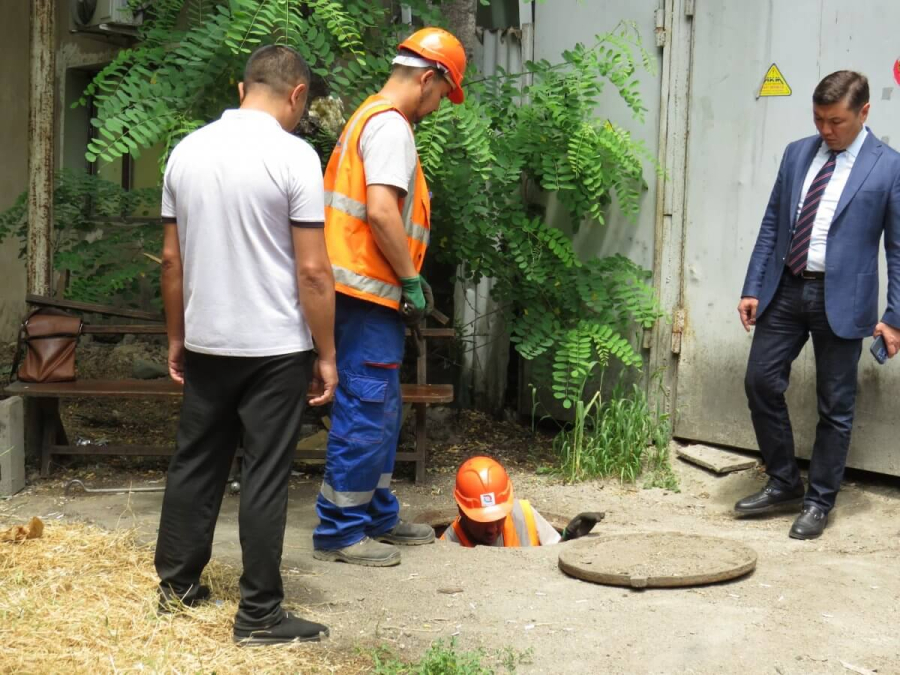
[[656, 560], [440, 519]]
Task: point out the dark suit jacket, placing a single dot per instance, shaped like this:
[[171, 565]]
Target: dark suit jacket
[[868, 207]]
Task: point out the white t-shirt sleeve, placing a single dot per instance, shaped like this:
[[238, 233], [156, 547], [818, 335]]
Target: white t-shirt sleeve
[[546, 533], [307, 188], [388, 151], [168, 194]]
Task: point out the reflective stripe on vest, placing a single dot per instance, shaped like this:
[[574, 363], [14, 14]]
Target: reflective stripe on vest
[[360, 269], [530, 525], [355, 209]]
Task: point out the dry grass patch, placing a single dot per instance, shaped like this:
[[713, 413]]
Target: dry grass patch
[[81, 599]]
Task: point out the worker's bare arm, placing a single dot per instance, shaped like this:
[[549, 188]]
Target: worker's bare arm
[[387, 228]]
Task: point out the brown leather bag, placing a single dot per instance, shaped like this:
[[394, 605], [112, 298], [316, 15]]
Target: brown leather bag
[[48, 338]]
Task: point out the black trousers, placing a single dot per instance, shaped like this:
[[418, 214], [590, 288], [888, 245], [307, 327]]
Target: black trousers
[[796, 313], [263, 397]]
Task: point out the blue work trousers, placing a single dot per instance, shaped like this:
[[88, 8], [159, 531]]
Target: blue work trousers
[[355, 500]]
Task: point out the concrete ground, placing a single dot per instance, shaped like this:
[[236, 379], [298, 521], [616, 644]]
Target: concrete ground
[[824, 606]]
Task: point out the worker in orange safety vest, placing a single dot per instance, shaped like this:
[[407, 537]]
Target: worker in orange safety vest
[[377, 229], [490, 516]]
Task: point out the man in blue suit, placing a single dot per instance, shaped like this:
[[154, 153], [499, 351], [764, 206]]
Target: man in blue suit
[[814, 271]]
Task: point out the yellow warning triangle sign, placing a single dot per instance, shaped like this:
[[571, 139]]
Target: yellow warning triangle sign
[[774, 84]]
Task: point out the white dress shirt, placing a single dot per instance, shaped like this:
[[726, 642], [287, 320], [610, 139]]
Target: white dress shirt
[[831, 196]]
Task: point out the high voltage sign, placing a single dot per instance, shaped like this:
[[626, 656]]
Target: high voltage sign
[[774, 84]]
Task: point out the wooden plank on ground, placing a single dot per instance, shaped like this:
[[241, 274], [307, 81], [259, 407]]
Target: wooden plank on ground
[[716, 459]]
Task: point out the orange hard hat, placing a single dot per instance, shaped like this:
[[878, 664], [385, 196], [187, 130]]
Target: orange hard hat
[[436, 44], [483, 491]]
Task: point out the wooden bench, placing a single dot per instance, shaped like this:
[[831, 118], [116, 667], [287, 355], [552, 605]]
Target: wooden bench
[[51, 439]]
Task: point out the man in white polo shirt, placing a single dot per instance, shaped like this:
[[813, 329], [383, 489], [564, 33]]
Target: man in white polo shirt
[[247, 287]]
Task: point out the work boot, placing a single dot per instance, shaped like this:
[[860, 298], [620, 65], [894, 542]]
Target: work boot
[[171, 602], [407, 534], [290, 629], [367, 552]]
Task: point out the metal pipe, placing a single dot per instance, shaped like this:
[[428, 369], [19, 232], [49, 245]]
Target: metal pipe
[[75, 483], [41, 114]]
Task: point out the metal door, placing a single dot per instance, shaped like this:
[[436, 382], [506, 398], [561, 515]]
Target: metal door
[[734, 148]]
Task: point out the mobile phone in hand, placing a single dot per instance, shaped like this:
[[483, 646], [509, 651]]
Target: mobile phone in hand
[[879, 350]]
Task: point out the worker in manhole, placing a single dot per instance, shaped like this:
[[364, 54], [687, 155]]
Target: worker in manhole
[[489, 515]]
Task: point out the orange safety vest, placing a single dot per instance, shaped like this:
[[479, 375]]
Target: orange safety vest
[[510, 535], [360, 268]]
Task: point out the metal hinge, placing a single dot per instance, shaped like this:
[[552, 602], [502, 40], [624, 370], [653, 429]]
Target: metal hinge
[[677, 330], [660, 27], [689, 8]]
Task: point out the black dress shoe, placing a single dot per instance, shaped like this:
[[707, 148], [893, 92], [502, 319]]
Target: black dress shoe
[[810, 523], [768, 499], [291, 628]]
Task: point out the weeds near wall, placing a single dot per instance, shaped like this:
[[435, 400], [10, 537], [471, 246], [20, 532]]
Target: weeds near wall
[[620, 437]]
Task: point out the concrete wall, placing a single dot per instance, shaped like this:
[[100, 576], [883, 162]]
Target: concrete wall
[[72, 51], [14, 143]]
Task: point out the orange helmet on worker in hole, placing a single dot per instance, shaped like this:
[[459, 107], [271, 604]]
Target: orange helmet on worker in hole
[[436, 44], [483, 491]]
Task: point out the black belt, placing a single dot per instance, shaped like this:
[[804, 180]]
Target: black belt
[[806, 275]]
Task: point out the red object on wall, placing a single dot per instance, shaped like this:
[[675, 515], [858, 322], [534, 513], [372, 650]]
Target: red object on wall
[[897, 70]]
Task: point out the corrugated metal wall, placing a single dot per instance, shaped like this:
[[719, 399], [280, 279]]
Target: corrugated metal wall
[[486, 351]]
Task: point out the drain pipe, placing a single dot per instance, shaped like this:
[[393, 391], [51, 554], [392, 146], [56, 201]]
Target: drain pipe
[[41, 116]]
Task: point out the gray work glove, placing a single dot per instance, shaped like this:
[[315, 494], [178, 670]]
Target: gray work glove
[[581, 524]]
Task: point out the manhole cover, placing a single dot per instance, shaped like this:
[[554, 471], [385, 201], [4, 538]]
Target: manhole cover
[[656, 560]]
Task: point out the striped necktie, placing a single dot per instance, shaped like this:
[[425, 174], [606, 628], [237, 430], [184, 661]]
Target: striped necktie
[[803, 231]]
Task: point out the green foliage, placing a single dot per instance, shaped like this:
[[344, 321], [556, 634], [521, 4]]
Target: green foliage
[[445, 658], [485, 161], [179, 78], [104, 256], [518, 141]]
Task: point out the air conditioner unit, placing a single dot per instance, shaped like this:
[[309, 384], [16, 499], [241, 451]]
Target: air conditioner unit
[[100, 14]]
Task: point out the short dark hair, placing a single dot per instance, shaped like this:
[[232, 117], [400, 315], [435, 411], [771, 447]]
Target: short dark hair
[[278, 67], [843, 85]]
